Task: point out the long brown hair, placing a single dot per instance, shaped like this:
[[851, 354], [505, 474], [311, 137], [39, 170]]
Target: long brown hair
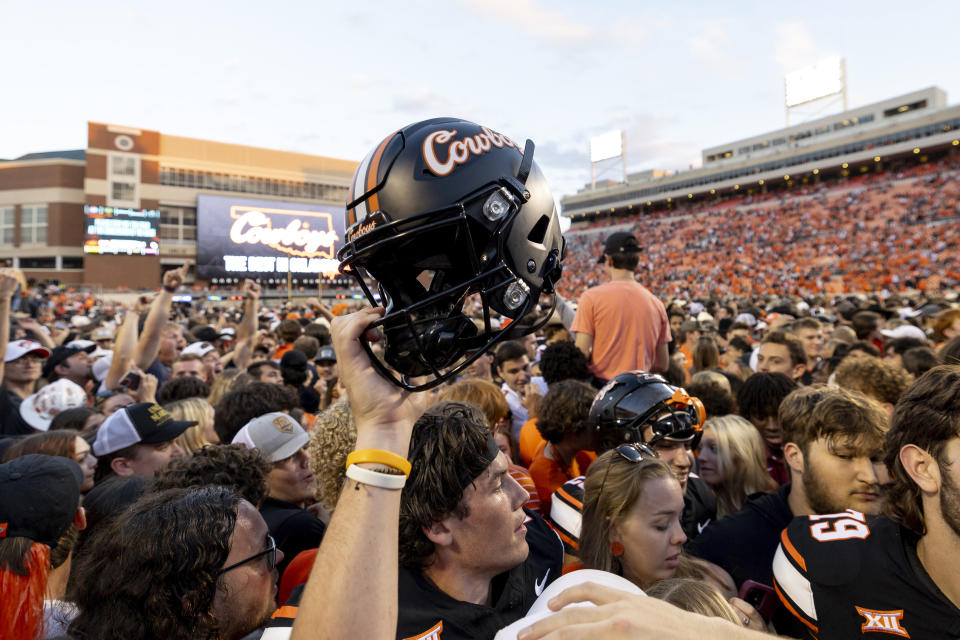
[[622, 482], [62, 443]]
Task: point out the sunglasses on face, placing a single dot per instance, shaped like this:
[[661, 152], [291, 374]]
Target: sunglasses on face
[[270, 552], [635, 452]]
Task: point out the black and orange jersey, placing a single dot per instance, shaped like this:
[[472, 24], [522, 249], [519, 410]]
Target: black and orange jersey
[[846, 575], [427, 613], [565, 517]]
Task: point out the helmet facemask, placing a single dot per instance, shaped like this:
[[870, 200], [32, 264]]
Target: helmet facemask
[[429, 264]]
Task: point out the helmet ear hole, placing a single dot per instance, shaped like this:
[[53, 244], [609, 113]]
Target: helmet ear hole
[[539, 231]]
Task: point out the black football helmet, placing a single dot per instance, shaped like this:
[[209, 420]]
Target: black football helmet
[[634, 400], [441, 210]]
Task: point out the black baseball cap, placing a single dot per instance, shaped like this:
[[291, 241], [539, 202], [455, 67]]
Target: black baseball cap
[[59, 354], [139, 423], [39, 497], [619, 242], [294, 359], [326, 354]]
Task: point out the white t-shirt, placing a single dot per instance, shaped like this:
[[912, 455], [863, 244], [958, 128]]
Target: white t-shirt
[[519, 412]]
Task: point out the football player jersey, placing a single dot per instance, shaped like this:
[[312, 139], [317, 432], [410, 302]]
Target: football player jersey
[[427, 613], [846, 575]]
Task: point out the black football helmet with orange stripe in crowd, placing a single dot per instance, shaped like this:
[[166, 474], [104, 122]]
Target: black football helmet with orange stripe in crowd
[[440, 211], [634, 400]]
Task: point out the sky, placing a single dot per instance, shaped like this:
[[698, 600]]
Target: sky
[[333, 78]]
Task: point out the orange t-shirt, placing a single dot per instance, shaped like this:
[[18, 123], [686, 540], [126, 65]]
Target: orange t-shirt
[[530, 441], [549, 475], [627, 323], [282, 349]]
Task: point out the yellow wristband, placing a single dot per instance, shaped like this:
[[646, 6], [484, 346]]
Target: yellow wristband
[[379, 456]]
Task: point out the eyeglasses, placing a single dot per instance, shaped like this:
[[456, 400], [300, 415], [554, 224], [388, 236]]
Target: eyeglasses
[[270, 552], [635, 452]]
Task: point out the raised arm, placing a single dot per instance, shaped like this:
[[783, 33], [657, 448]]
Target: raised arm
[[8, 284], [149, 344], [35, 329], [353, 584], [126, 344], [248, 327], [319, 309]]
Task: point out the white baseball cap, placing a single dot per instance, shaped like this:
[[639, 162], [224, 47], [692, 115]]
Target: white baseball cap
[[904, 331], [142, 422], [199, 348], [21, 348], [276, 435], [41, 408], [101, 366]]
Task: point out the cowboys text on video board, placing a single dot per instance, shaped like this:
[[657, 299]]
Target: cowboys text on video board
[[239, 238]]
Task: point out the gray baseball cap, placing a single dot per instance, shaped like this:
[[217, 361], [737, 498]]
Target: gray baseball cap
[[276, 435]]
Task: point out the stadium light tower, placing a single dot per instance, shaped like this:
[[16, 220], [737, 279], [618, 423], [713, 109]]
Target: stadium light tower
[[605, 147], [816, 83]]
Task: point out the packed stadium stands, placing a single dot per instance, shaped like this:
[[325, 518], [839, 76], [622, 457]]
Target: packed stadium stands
[[890, 229]]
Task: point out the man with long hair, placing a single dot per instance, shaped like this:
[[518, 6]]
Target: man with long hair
[[847, 574], [178, 564]]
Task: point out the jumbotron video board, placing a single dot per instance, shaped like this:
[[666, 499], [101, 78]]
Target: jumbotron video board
[[115, 231], [240, 238]]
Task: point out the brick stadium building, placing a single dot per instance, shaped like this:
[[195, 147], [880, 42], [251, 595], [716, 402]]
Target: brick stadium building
[[43, 198]]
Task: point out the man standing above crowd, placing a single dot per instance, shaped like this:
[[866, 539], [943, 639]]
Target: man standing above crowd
[[620, 325]]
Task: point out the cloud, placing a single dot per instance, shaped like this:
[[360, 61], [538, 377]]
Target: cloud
[[535, 18], [423, 101], [563, 155], [795, 46], [566, 161], [710, 49]]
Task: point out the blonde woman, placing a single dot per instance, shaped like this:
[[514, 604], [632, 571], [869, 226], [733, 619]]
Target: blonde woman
[[194, 410], [631, 516], [732, 462], [696, 596], [226, 382]]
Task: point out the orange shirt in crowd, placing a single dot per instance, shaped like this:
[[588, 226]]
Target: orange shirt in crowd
[[627, 323], [549, 474], [530, 441]]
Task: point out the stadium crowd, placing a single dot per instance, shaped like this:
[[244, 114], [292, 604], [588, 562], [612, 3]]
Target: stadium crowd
[[170, 470], [891, 231]]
